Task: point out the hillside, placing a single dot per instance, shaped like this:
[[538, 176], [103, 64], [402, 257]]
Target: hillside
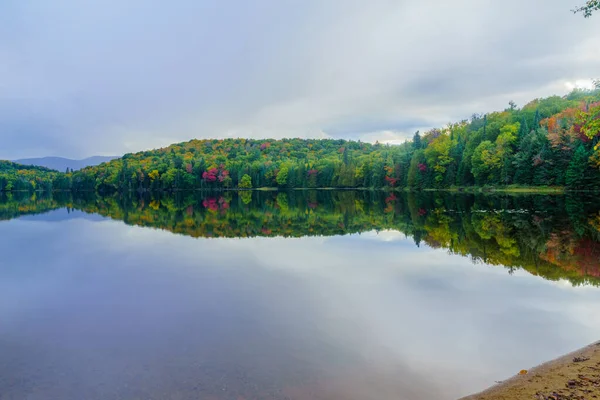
[[547, 142], [16, 177], [61, 163]]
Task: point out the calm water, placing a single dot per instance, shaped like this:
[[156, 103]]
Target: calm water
[[302, 295]]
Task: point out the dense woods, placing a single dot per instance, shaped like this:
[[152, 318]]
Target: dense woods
[[556, 237], [19, 177], [547, 142]]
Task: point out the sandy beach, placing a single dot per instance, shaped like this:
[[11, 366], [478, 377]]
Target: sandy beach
[[575, 376]]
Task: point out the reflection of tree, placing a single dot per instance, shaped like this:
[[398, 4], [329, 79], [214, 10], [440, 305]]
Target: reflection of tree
[[282, 202], [13, 205], [553, 237], [246, 197], [490, 226], [575, 210], [16, 204]]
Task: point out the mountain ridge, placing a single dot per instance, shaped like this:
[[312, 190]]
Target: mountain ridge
[[62, 163]]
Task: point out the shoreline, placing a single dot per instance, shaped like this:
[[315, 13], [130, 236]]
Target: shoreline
[[485, 190], [573, 376]]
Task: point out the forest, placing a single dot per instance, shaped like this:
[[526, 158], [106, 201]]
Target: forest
[[555, 237], [17, 177], [548, 142]]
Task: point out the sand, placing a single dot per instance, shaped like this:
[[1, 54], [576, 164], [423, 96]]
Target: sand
[[575, 376]]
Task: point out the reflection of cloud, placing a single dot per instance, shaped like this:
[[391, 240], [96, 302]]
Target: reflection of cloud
[[479, 323], [386, 235], [353, 305]]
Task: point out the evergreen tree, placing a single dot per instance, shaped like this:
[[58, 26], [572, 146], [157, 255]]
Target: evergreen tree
[[536, 119], [416, 143], [575, 176], [542, 174], [524, 129]]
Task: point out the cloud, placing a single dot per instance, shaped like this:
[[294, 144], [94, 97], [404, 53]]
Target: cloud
[[107, 77]]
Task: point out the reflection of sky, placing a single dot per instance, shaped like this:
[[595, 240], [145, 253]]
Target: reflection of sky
[[61, 215], [106, 309]]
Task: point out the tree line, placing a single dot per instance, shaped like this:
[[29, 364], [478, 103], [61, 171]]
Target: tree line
[[547, 142]]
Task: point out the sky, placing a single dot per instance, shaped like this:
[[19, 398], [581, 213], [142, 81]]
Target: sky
[[107, 77]]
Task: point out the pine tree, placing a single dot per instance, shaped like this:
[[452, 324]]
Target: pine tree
[[575, 177], [543, 167], [506, 174], [417, 141], [524, 129], [536, 119], [484, 126]]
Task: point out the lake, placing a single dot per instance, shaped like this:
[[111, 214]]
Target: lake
[[324, 295]]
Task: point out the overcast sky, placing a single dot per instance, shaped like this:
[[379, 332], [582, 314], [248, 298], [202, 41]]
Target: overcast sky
[[105, 77]]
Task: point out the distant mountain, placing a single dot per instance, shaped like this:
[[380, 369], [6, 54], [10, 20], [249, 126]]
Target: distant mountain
[[63, 214], [61, 164]]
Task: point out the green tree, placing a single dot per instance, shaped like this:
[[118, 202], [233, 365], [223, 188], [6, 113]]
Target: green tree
[[438, 157], [486, 163], [575, 177], [417, 170], [282, 176], [417, 141], [245, 182]]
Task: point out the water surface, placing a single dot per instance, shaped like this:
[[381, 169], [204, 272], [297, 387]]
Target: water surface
[[300, 295]]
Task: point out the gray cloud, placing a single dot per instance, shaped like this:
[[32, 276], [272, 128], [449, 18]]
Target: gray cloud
[[105, 77]]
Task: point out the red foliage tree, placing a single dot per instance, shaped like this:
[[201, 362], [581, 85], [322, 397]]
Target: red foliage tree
[[215, 174], [391, 181]]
